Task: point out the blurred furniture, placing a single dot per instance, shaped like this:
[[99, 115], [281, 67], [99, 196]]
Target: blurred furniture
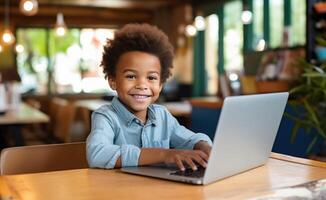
[[9, 73], [248, 84], [178, 108], [251, 86], [33, 103], [205, 114], [273, 86], [35, 129], [43, 158], [14, 120], [24, 115], [206, 102], [62, 114], [280, 171]]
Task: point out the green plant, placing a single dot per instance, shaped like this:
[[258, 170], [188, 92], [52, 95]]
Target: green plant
[[311, 94], [320, 41]]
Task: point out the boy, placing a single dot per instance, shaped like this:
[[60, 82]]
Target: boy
[[132, 130]]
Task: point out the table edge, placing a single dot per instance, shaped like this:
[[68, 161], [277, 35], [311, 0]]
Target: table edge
[[298, 160]]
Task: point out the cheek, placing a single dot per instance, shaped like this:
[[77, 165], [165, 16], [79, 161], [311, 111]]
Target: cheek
[[157, 89], [125, 86]]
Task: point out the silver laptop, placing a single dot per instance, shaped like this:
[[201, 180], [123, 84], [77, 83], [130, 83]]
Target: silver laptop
[[244, 137]]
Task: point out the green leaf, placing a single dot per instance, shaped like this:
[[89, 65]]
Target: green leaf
[[294, 131], [311, 145], [301, 121], [297, 89], [314, 74], [311, 112], [321, 133], [321, 41]]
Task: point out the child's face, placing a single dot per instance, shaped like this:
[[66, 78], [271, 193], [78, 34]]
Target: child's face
[[137, 81]]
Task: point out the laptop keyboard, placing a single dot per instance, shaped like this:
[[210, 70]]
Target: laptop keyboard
[[190, 173]]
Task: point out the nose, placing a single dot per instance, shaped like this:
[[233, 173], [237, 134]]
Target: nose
[[141, 84]]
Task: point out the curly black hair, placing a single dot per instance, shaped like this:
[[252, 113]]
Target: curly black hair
[[138, 37]]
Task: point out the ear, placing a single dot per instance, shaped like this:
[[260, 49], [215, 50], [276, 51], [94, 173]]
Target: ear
[[112, 83]]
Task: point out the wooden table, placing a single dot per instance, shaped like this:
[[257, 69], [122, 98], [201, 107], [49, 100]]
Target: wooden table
[[25, 114], [15, 119], [206, 102], [280, 171], [177, 109]]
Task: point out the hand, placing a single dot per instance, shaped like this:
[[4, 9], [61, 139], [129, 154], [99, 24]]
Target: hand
[[204, 146], [190, 157]]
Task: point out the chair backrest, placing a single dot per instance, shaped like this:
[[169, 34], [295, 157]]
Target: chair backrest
[[43, 158], [62, 114]]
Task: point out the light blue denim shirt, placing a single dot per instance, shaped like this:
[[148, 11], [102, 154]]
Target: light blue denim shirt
[[117, 132]]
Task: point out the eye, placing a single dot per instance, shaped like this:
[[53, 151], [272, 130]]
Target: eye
[[152, 78], [130, 76]]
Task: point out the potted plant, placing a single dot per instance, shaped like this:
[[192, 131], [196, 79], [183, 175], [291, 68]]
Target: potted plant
[[310, 107]]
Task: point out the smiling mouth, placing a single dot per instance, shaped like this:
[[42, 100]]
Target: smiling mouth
[[140, 97]]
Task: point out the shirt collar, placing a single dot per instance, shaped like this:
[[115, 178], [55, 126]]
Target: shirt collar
[[151, 115], [127, 116]]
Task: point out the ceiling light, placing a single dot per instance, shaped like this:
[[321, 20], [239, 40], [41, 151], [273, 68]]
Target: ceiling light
[[7, 36], [28, 7], [261, 45], [200, 23], [246, 17], [191, 30], [60, 26], [19, 48], [233, 77]]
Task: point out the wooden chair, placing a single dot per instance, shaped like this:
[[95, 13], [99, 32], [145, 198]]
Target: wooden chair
[[62, 114], [249, 84], [43, 158]]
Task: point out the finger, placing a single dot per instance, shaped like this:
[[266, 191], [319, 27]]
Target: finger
[[202, 155], [200, 161], [191, 164], [180, 164], [208, 151]]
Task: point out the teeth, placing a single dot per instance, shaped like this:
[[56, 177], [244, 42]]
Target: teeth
[[140, 96]]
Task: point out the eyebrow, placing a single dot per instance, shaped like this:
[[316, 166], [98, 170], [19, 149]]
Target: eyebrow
[[135, 71], [129, 70]]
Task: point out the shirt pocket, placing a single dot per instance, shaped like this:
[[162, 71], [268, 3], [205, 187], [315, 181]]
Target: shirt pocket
[[165, 144]]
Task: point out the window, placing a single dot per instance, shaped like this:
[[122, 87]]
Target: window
[[258, 21], [72, 61], [233, 36], [297, 31], [32, 60], [298, 26], [64, 60], [276, 10], [211, 39]]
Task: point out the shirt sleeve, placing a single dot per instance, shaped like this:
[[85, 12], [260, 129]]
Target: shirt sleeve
[[183, 138], [101, 150]]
